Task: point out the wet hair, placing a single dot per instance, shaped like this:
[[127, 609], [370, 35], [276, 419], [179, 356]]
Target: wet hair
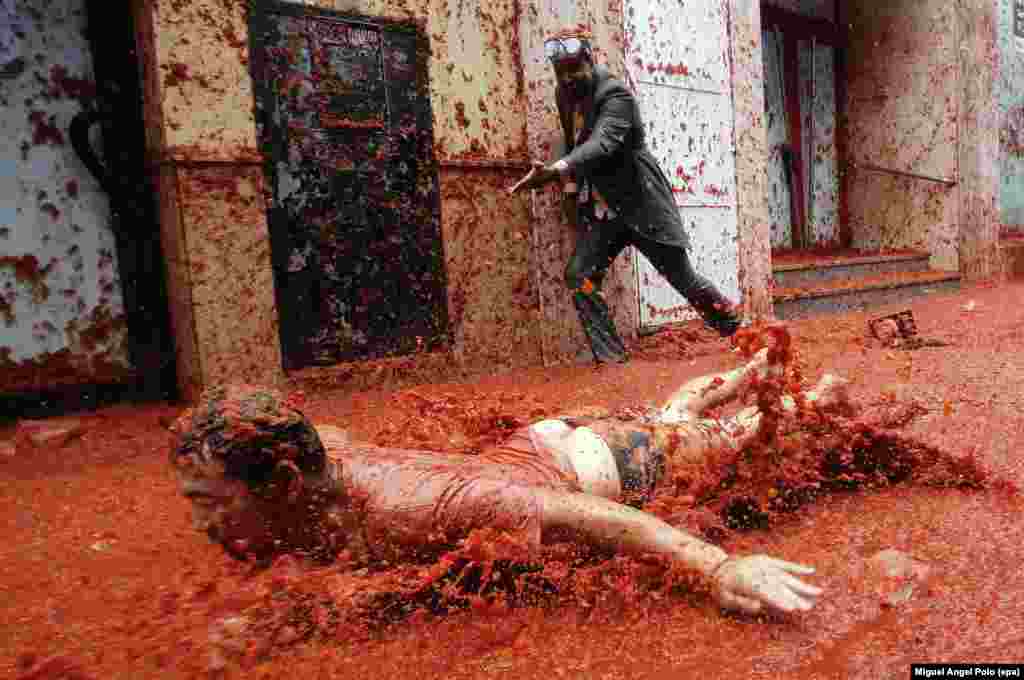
[[250, 429]]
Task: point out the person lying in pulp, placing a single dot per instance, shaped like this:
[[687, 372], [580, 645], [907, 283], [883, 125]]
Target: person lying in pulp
[[263, 479]]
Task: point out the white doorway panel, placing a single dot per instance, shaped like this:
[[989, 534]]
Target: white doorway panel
[[678, 63]]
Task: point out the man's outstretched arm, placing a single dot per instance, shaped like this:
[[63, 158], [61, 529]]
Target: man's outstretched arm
[[748, 584]]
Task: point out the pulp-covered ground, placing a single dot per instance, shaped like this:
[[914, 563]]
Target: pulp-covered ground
[[103, 577]]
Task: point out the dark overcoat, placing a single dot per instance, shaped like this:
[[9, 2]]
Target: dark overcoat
[[614, 157]]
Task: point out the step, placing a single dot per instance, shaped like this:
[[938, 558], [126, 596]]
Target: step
[[1012, 251], [811, 270], [834, 297]]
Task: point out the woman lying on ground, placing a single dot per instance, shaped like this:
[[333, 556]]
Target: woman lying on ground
[[263, 479]]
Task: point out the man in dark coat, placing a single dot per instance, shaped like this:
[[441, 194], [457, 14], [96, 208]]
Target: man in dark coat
[[620, 196]]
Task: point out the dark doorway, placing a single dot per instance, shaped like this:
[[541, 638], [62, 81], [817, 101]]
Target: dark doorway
[[803, 58], [345, 123], [122, 170]]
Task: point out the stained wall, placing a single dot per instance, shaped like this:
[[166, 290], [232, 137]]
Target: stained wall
[[679, 64], [751, 142], [922, 128], [551, 240], [903, 107], [492, 105], [927, 174], [62, 316], [978, 154], [818, 152], [1011, 113], [493, 110]]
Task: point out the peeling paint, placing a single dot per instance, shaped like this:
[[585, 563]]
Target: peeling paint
[[818, 108], [207, 118], [678, 61], [60, 301], [1011, 111], [345, 117]]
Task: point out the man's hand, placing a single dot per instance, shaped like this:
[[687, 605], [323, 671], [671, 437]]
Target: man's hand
[[538, 176], [751, 584]]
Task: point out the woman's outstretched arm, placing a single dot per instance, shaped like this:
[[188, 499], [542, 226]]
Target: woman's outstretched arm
[[749, 584]]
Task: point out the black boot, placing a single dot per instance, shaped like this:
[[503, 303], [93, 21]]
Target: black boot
[[596, 319]]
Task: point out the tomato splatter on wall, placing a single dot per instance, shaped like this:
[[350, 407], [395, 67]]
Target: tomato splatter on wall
[[680, 67], [901, 188], [1011, 130], [344, 114], [61, 310], [474, 58]]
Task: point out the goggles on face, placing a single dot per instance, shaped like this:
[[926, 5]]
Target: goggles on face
[[557, 49]]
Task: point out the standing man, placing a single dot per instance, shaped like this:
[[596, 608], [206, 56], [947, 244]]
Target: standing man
[[613, 187]]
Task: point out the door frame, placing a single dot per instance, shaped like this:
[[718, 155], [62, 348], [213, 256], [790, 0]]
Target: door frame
[[794, 28]]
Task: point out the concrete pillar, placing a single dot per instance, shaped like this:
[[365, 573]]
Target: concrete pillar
[[755, 271], [978, 137], [201, 142], [553, 242]]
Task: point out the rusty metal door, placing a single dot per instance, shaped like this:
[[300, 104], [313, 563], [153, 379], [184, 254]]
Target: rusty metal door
[[345, 122], [678, 63]]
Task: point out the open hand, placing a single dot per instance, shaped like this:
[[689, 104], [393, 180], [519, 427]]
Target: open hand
[[751, 584]]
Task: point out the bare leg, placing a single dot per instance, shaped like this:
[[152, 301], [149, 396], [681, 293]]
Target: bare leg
[[690, 401]]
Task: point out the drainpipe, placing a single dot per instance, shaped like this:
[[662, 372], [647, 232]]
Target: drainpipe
[[809, 222], [140, 264]]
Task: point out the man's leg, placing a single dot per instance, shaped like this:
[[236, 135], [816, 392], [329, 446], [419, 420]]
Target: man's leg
[[674, 264], [597, 245]]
